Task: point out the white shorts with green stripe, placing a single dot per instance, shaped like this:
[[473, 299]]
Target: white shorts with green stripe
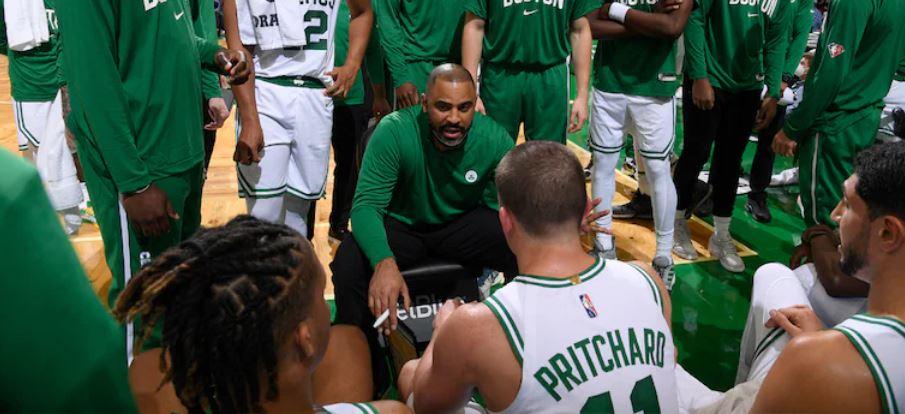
[[297, 123], [650, 120]]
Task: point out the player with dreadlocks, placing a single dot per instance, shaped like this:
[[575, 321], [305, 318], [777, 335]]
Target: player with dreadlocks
[[245, 323]]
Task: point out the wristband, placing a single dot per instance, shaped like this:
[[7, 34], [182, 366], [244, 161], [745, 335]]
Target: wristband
[[618, 12]]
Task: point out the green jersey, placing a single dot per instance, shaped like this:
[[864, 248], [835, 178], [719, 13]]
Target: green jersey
[[205, 24], [801, 20], [528, 33], [406, 177], [60, 351], [640, 65], [135, 87], [34, 74], [859, 52], [738, 44], [373, 57], [418, 30]]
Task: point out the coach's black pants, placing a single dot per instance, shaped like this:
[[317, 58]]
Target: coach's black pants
[[762, 166], [349, 125], [475, 240], [726, 127]]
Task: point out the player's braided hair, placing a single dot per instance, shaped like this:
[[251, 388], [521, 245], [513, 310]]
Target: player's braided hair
[[227, 298]]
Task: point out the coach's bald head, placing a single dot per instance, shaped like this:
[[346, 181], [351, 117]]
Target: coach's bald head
[[449, 103]]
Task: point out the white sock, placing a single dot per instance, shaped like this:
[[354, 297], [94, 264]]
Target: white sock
[[722, 227], [297, 214], [603, 186], [663, 199]]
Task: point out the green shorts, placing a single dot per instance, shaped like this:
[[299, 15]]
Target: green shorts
[[539, 98], [827, 160], [125, 250]]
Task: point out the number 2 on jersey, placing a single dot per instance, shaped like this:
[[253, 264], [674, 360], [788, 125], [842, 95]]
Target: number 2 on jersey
[[318, 30], [644, 399]]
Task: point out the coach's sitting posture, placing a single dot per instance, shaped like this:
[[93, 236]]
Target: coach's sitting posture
[[426, 189]]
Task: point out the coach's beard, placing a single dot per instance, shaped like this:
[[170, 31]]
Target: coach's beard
[[450, 136]]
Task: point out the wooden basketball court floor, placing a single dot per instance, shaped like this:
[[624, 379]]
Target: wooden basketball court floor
[[220, 203]]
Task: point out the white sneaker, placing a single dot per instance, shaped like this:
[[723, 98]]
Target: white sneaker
[[724, 249], [786, 177], [682, 246]]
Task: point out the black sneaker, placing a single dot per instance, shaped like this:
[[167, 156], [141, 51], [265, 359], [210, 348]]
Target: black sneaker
[[639, 207], [757, 207], [701, 200], [336, 235]]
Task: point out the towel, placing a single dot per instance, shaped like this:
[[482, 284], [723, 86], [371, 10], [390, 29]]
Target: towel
[[26, 24], [259, 23]]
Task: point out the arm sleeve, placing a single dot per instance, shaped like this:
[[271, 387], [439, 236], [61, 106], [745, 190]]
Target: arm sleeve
[[91, 71], [205, 25], [376, 182], [801, 28], [844, 29], [392, 38], [374, 58], [695, 41], [776, 47]]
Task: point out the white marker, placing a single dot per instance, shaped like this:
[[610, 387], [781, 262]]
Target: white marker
[[382, 318]]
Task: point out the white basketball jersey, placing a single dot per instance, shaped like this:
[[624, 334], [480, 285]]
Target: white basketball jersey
[[595, 343], [314, 58], [881, 342]]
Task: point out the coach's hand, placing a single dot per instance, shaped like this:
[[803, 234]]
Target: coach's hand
[[784, 146], [579, 114], [343, 79], [795, 320], [702, 94], [236, 64], [407, 95], [249, 145], [150, 211], [766, 113], [386, 286]]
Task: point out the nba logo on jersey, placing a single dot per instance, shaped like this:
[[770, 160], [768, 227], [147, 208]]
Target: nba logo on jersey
[[588, 305]]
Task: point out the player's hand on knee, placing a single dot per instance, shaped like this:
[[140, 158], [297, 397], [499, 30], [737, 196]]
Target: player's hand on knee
[[249, 145], [234, 63], [795, 320], [387, 285], [579, 115], [702, 94], [479, 106], [150, 211], [766, 113], [343, 78], [784, 146], [407, 95], [800, 255]]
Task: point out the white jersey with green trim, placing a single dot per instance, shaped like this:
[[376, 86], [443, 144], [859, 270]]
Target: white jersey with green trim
[[597, 342], [350, 408], [315, 58], [881, 340]]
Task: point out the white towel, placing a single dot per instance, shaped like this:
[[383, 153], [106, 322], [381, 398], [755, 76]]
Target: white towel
[[26, 24], [259, 23]]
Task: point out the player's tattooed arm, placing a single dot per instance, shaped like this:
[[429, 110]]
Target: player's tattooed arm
[[359, 32]]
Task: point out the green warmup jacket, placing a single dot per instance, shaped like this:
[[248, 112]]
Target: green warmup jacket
[[738, 44], [798, 35], [404, 176], [640, 65], [34, 75], [528, 34], [205, 24], [60, 349], [135, 86], [418, 30], [859, 52]]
